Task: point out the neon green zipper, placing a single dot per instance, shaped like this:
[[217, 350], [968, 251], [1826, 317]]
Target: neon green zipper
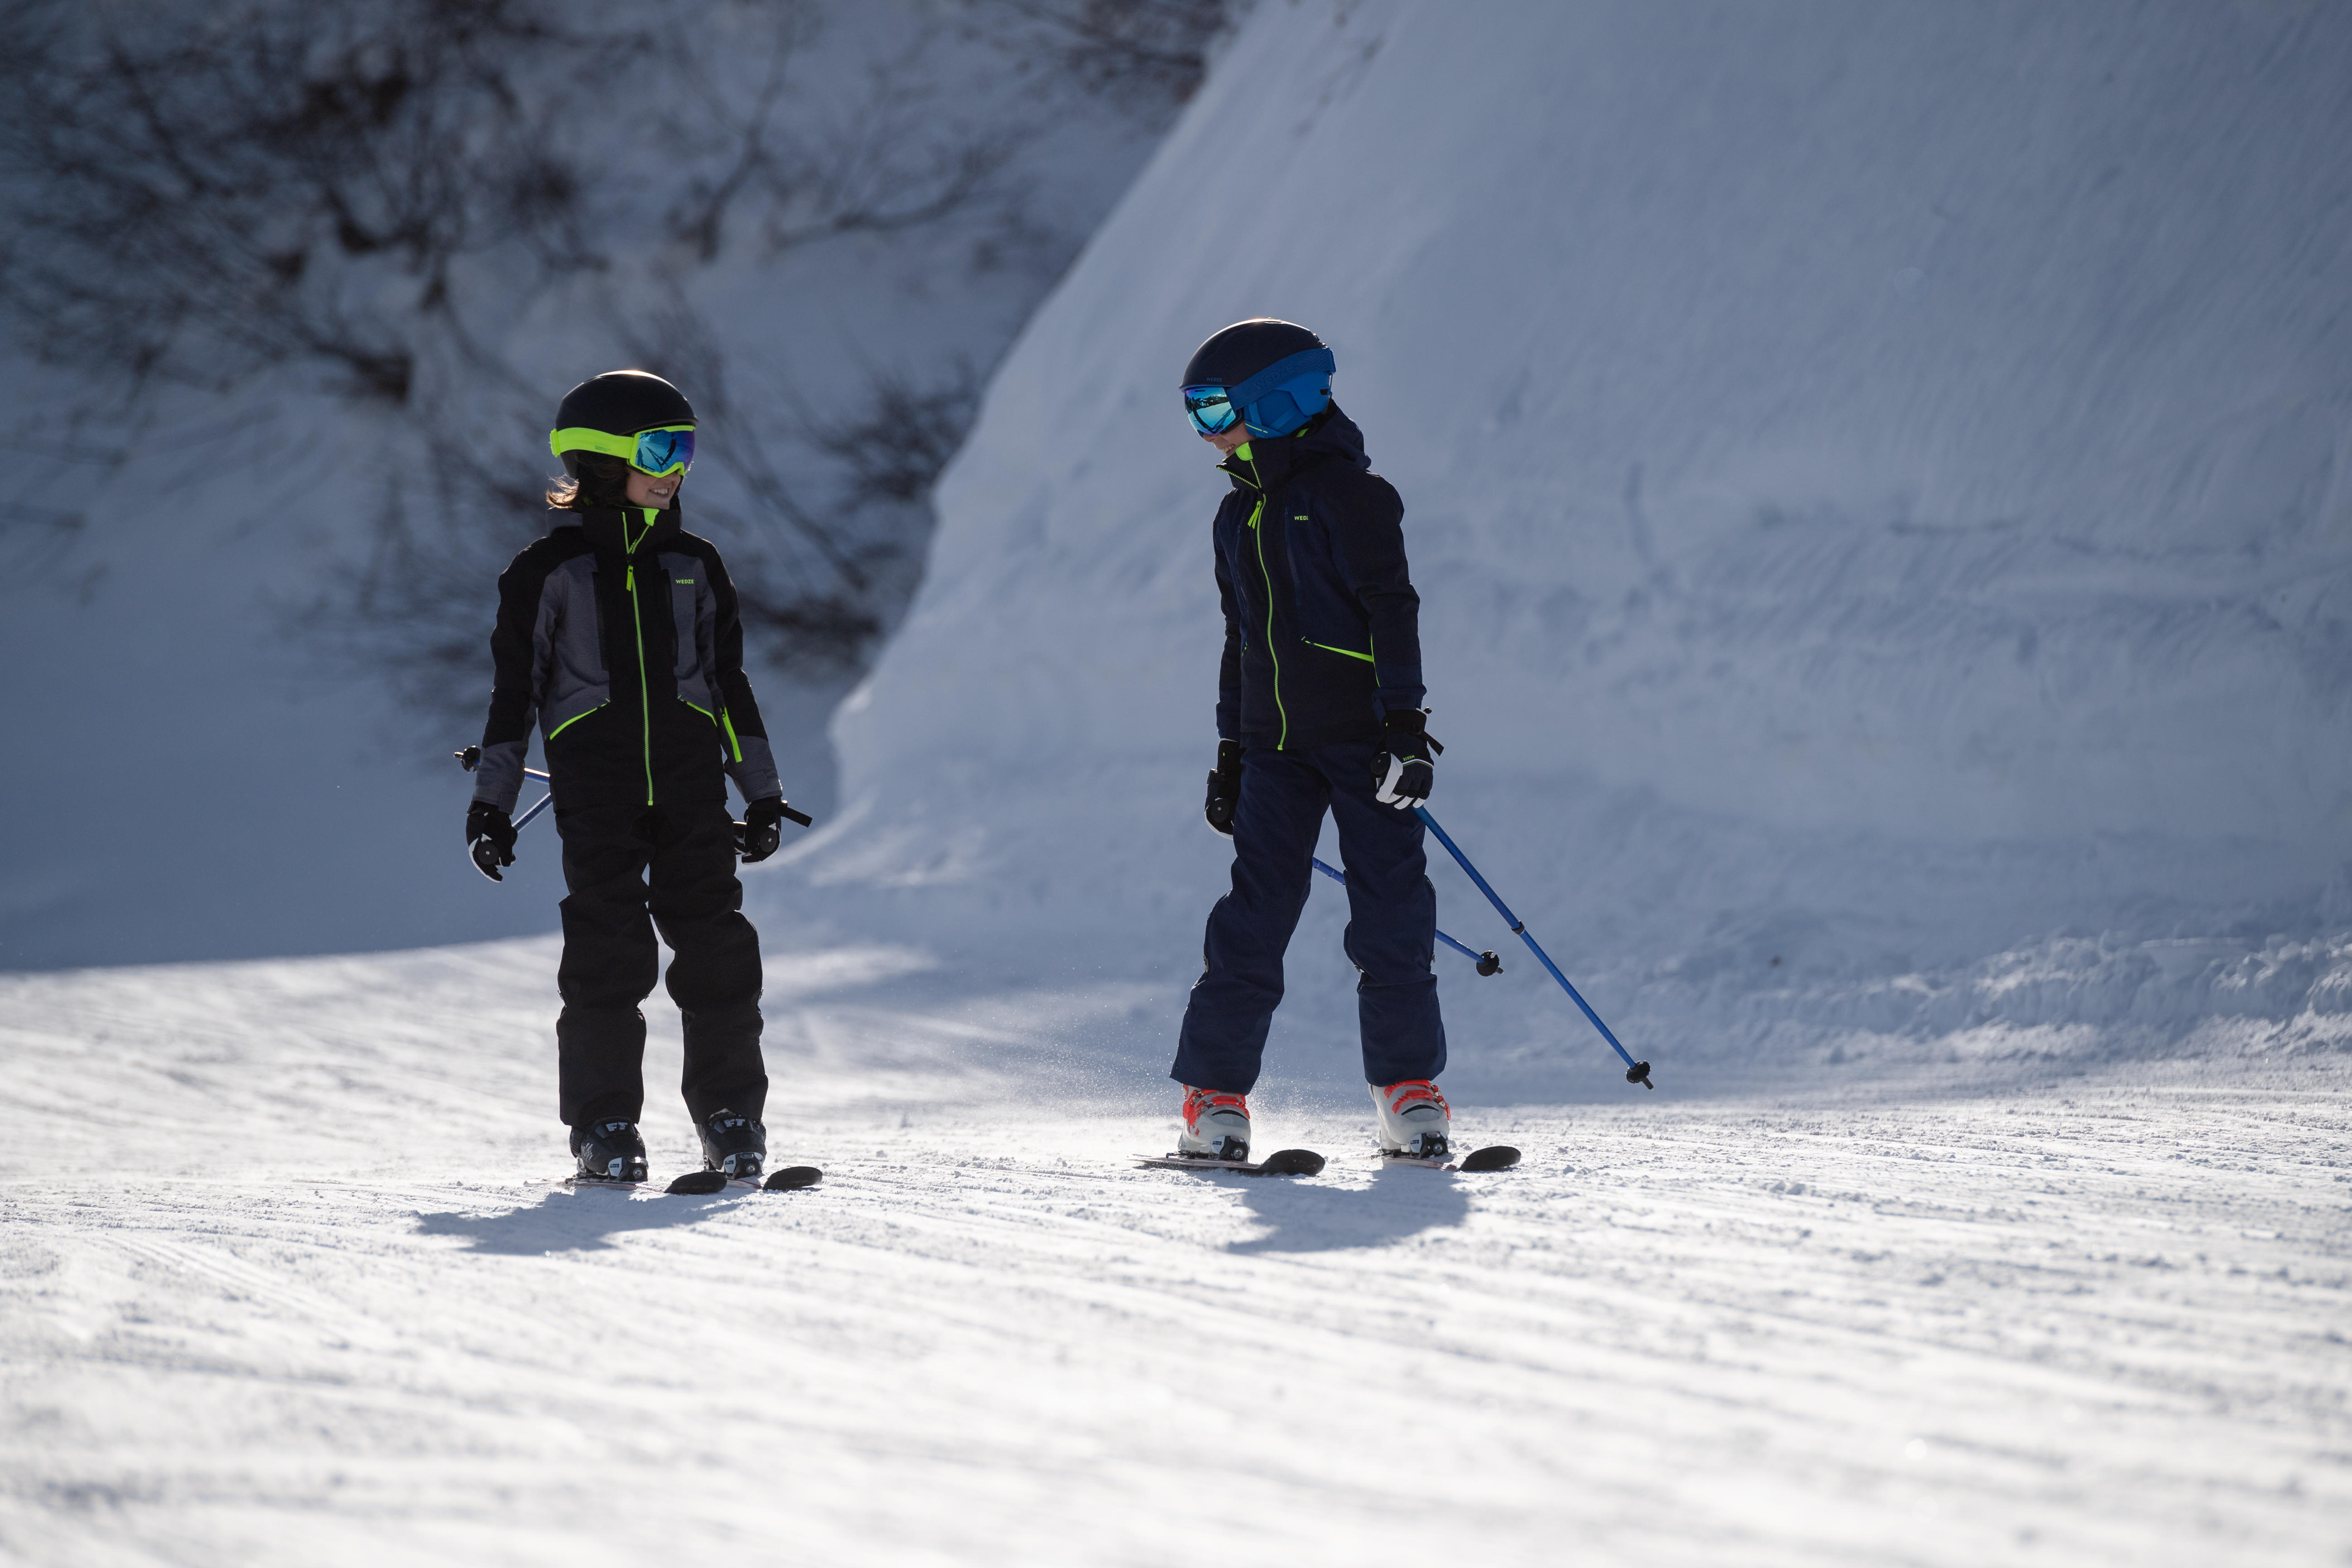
[[1327, 647], [644, 699], [576, 719], [1285, 713]]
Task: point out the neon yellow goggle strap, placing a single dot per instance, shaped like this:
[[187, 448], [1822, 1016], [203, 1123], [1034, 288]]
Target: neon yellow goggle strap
[[581, 440]]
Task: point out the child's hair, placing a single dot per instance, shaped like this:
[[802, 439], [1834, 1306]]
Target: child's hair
[[603, 482]]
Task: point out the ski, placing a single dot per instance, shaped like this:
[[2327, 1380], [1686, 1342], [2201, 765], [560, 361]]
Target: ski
[[701, 1183], [1493, 1157], [1281, 1163]]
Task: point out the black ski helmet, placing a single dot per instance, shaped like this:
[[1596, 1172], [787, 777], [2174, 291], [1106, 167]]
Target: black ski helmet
[[1276, 373], [618, 403]]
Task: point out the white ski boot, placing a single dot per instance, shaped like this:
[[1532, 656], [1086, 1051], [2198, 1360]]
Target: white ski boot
[[1415, 1121], [1216, 1126]]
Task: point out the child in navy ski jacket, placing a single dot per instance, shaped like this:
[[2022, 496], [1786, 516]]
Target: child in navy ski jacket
[[1319, 707]]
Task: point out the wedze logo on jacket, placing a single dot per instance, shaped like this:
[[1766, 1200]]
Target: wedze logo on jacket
[[618, 634], [1322, 623]]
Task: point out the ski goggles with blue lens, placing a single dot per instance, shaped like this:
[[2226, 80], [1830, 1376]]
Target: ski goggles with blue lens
[[1210, 411], [670, 450]]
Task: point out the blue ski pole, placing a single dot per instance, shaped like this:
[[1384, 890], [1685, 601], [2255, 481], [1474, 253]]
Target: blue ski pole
[[544, 801], [1636, 1072], [1487, 962]]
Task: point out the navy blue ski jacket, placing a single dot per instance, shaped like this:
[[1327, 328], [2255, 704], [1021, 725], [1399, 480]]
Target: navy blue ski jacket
[[1322, 624]]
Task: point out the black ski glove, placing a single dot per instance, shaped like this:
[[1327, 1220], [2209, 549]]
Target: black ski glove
[[1224, 788], [761, 829], [489, 837], [1403, 769]]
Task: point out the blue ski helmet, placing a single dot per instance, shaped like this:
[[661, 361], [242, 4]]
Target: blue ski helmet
[[1276, 375]]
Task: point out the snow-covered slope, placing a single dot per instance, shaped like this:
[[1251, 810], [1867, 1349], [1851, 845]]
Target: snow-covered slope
[[1879, 478], [284, 1280]]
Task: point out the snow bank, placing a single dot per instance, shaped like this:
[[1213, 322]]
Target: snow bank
[[1879, 479]]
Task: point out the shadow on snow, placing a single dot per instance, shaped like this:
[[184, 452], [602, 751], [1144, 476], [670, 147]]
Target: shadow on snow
[[573, 1220], [1401, 1201]]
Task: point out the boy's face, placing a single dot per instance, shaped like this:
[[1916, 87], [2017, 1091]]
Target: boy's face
[[1234, 436], [648, 489]]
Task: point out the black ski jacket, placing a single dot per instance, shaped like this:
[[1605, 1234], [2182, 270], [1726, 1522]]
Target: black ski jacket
[[618, 634], [1322, 624]]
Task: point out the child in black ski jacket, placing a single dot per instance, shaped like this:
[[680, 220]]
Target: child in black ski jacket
[[618, 638]]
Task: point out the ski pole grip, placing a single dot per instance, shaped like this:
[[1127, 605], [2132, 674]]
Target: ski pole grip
[[802, 817]]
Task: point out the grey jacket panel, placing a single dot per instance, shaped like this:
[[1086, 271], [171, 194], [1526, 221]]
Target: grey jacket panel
[[755, 772], [568, 671], [694, 611], [567, 676], [498, 777], [694, 604]]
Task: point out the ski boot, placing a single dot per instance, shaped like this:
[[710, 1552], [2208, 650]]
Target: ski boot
[[609, 1151], [1415, 1121], [733, 1144], [1216, 1126]]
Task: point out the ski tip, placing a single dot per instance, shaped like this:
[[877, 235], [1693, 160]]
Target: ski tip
[[1494, 1157], [696, 1183], [792, 1177], [1291, 1162]]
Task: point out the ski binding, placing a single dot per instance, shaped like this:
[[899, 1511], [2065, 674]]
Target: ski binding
[[1281, 1163]]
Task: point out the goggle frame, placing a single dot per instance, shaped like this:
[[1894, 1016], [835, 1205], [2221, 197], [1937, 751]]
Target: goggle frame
[[644, 452]]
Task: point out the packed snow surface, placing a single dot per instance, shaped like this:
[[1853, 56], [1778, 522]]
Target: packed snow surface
[[296, 1286]]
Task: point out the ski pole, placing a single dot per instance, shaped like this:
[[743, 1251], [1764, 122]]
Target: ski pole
[[544, 801], [1487, 962], [1636, 1072], [471, 758]]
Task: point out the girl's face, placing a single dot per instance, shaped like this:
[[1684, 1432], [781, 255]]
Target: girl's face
[[646, 490]]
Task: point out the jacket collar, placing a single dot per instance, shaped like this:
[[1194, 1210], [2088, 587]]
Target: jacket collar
[[623, 531], [1329, 437]]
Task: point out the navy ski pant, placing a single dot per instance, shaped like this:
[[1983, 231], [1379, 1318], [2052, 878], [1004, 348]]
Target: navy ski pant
[[1392, 921], [610, 960]]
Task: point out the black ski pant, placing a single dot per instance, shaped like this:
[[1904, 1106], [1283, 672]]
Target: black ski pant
[[1392, 921], [610, 960]]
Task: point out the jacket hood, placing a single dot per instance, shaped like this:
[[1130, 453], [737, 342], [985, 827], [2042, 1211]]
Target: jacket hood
[[617, 528], [1329, 437]]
